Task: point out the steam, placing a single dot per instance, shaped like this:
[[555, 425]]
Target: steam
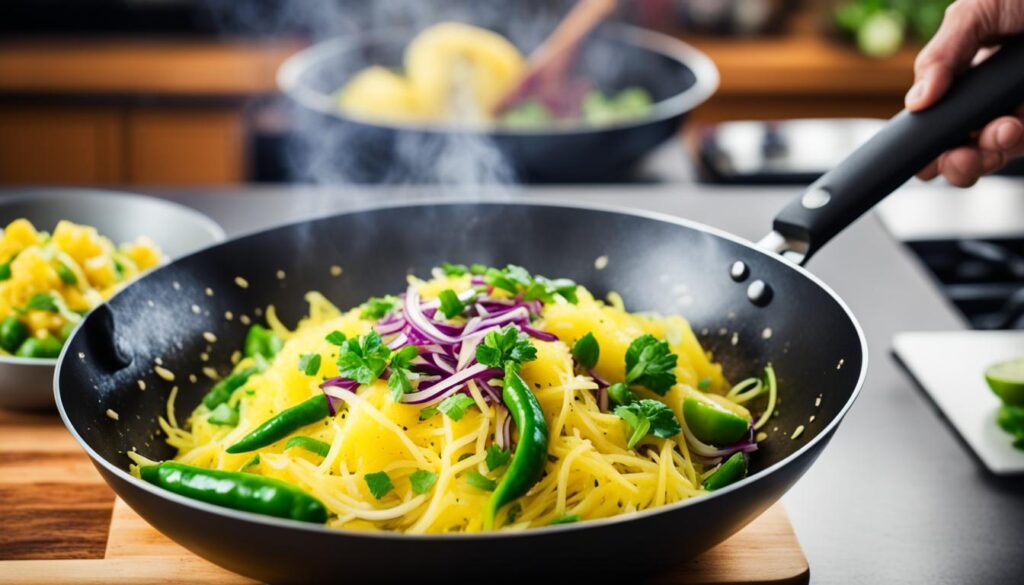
[[325, 150]]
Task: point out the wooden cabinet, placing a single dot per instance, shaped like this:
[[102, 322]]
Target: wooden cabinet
[[169, 112], [185, 146], [61, 145]]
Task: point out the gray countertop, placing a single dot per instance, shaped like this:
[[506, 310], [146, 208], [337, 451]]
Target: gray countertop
[[896, 497]]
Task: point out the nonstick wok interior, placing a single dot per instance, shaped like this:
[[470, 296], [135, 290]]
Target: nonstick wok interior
[[655, 264]]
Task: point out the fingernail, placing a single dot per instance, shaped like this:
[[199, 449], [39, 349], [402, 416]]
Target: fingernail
[[916, 93], [1008, 135]]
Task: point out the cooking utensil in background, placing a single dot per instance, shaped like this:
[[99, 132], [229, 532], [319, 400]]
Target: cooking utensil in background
[[549, 62], [339, 148], [778, 312], [178, 230]]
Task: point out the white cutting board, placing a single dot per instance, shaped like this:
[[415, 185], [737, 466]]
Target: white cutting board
[[950, 366]]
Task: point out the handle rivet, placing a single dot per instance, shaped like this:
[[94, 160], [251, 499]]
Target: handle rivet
[[739, 271], [815, 198], [759, 293]]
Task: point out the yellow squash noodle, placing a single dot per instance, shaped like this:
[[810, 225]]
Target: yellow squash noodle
[[590, 472]]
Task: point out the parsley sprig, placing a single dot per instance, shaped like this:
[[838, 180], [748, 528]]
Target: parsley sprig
[[648, 417], [398, 381], [650, 363], [506, 347], [517, 281], [363, 358]]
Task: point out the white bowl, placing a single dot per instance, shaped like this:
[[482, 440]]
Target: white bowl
[[28, 382]]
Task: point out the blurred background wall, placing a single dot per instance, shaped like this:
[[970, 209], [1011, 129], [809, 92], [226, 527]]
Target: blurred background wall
[[183, 91]]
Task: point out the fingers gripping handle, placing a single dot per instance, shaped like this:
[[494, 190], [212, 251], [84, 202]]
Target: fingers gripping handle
[[904, 146]]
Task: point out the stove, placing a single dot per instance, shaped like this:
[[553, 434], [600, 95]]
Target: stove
[[983, 278]]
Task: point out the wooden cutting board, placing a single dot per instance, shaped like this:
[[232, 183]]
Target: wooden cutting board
[[54, 528]]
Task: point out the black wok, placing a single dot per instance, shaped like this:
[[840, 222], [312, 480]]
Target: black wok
[[816, 346], [335, 147]]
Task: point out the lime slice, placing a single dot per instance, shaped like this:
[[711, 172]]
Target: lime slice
[[1006, 379]]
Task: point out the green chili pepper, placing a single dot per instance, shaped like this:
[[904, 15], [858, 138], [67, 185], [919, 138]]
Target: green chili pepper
[[713, 424], [531, 452], [309, 444], [222, 391], [283, 424], [34, 347], [733, 470], [12, 333], [236, 490], [262, 341]]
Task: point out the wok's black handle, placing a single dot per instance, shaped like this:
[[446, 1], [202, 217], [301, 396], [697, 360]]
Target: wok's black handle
[[904, 146]]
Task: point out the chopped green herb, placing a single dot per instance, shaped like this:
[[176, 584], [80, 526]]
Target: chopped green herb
[[428, 412], [422, 480], [377, 307], [379, 484], [650, 363], [398, 381], [224, 415], [450, 269], [363, 358], [496, 457], [451, 306], [508, 346], [309, 444], [621, 394], [42, 302], [477, 269], [586, 350], [119, 268], [454, 407], [567, 519], [309, 363], [262, 341], [67, 276], [5, 270], [704, 383], [649, 416], [516, 280], [335, 338], [480, 481]]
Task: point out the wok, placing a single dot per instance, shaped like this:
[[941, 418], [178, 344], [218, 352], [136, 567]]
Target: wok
[[335, 147], [816, 346]]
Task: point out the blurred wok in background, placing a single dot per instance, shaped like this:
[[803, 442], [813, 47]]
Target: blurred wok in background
[[185, 91]]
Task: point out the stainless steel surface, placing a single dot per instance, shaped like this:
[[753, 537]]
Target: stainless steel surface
[[897, 498], [28, 382], [994, 208]]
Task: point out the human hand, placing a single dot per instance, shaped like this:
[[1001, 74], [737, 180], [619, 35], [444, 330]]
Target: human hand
[[970, 31]]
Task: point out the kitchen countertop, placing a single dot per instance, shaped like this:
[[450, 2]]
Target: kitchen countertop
[[896, 498]]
